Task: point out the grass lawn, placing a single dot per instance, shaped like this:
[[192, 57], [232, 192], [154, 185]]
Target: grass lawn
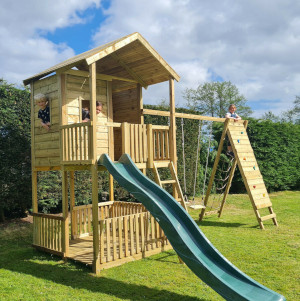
[[271, 257]]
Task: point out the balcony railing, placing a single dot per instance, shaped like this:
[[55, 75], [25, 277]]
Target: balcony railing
[[145, 143], [76, 142]]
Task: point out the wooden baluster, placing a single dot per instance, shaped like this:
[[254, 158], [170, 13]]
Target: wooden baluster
[[125, 221], [108, 231]]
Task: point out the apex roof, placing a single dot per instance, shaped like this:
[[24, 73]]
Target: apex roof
[[130, 57]]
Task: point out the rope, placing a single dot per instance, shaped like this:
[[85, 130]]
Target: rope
[[208, 149], [197, 158]]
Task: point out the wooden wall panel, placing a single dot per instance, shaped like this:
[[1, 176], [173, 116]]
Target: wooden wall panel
[[46, 144], [126, 108]]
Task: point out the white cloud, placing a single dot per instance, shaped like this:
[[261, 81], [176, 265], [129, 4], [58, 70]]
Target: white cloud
[[23, 50], [254, 44]]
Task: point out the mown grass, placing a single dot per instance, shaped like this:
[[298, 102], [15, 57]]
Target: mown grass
[[271, 257]]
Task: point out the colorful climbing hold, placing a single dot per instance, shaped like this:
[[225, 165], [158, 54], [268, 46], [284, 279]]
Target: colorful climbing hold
[[244, 158], [254, 167], [242, 133], [264, 195], [254, 186], [238, 141]]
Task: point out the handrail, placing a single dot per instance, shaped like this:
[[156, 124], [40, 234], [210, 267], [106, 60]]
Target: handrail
[[76, 125], [101, 204], [50, 216]]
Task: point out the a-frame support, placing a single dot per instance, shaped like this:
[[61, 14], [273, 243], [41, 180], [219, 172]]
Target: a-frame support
[[245, 159]]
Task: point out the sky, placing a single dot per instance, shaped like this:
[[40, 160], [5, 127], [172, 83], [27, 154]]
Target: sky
[[255, 44]]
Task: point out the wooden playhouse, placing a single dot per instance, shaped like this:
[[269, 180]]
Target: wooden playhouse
[[114, 74]]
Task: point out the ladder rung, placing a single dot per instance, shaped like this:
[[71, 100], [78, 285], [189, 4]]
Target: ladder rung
[[168, 182], [264, 218]]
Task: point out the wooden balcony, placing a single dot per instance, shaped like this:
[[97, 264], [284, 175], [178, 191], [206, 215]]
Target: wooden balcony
[[145, 143]]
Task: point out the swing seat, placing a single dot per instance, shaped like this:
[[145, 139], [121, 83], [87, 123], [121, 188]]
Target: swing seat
[[197, 206]]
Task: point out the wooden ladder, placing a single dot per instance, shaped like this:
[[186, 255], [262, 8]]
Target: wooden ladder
[[251, 174], [174, 179]]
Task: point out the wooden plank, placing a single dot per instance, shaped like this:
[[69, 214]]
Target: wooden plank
[[266, 217]]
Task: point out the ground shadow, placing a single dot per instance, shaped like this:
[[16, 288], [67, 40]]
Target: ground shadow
[[218, 224], [81, 278]]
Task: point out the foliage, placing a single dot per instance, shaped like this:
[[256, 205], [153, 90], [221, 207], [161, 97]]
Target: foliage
[[271, 257], [277, 150], [15, 168], [214, 98]]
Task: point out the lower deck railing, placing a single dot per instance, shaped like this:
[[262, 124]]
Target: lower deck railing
[[47, 232], [132, 235]]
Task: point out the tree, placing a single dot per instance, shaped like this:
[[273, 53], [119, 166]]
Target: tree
[[271, 116], [214, 99], [15, 167]]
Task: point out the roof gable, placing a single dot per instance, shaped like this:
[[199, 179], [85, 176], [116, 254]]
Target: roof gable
[[130, 57]]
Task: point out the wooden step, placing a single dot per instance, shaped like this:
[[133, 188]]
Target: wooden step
[[266, 217], [168, 182]]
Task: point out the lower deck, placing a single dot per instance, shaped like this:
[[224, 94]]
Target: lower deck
[[81, 250], [127, 232]]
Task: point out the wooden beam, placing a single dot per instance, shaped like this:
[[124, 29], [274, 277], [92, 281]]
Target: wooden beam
[[182, 115], [129, 70], [99, 76]]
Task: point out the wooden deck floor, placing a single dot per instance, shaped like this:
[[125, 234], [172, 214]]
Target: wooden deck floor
[[81, 249]]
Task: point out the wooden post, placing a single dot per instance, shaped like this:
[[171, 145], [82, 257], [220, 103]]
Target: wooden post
[[93, 114], [34, 192], [213, 173], [125, 138], [231, 174], [94, 169], [172, 135], [72, 203], [65, 212], [96, 246], [150, 146], [34, 173], [111, 145]]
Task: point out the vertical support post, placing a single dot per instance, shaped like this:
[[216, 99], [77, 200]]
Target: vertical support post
[[94, 169], [61, 78], [34, 192], [213, 173], [111, 146], [65, 228], [93, 114], [72, 203], [34, 172], [96, 246], [172, 135], [231, 174], [125, 138], [140, 102], [150, 146]]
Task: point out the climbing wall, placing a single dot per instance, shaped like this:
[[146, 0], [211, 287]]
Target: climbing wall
[[251, 174]]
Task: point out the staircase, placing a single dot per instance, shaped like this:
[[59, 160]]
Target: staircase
[[249, 169], [174, 180]]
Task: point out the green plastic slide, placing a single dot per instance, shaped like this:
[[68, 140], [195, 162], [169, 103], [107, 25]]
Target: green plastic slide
[[186, 238]]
